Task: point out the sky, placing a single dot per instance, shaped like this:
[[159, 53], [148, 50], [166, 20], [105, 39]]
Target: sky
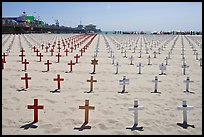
[[114, 16]]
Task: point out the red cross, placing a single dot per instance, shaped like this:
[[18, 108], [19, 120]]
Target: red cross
[[71, 63], [48, 63], [81, 50], [25, 62], [64, 45], [58, 48], [35, 107], [22, 54], [46, 49], [58, 79], [4, 56], [40, 56], [67, 51], [75, 46], [3, 61], [84, 48], [52, 50], [26, 78], [37, 52], [72, 49], [58, 55], [34, 49], [77, 57]]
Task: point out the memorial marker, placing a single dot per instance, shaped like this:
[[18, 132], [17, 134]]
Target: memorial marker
[[162, 67], [91, 83], [185, 107], [155, 84], [94, 63], [187, 81], [71, 63], [58, 79], [140, 65], [25, 66], [35, 107], [48, 65], [135, 108], [87, 108], [123, 82], [26, 78]]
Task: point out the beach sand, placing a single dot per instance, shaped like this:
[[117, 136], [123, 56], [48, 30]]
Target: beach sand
[[61, 113]]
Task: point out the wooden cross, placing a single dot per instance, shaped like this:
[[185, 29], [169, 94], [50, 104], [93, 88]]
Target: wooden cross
[[124, 82], [149, 60], [25, 62], [3, 61], [77, 57], [94, 63], [155, 85], [40, 57], [131, 58], [91, 83], [58, 56], [184, 66], [26, 78], [162, 67], [184, 107], [58, 79], [187, 81], [87, 108], [66, 51], [117, 65], [48, 65], [22, 54], [35, 107], [71, 63], [140, 65], [135, 108]]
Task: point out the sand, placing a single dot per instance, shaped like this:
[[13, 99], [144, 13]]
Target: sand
[[61, 114]]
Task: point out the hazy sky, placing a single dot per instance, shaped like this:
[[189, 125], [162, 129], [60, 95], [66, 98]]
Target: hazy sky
[[108, 16]]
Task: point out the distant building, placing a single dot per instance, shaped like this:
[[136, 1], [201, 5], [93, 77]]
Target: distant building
[[90, 28]]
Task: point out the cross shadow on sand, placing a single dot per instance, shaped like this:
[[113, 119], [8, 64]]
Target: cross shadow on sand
[[92, 73], [122, 92], [83, 126], [91, 91], [44, 71], [55, 91], [29, 125], [135, 127], [189, 92], [23, 89], [185, 125]]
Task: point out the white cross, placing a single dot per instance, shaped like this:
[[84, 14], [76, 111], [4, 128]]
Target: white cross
[[140, 53], [117, 65], [140, 65], [131, 59], [135, 108], [196, 55], [124, 82], [111, 53], [162, 67], [147, 50], [184, 66], [134, 50], [122, 50], [200, 61], [113, 59], [169, 55], [166, 60], [125, 54], [155, 53], [155, 83], [184, 107], [187, 81], [149, 60], [159, 50]]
